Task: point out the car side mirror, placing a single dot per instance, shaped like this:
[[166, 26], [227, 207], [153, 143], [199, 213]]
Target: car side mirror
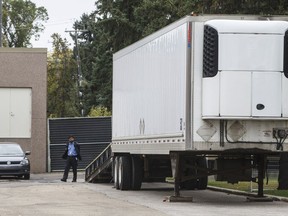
[[27, 152]]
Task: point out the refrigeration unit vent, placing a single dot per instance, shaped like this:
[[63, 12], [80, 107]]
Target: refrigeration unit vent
[[210, 52]]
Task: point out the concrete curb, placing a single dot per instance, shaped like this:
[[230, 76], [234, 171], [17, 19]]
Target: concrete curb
[[248, 194]]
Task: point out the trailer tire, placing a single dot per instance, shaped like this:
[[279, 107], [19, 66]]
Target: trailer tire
[[192, 183], [116, 172], [202, 182], [189, 185], [124, 170], [137, 173]]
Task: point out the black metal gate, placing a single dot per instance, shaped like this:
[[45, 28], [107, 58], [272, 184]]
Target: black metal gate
[[93, 135]]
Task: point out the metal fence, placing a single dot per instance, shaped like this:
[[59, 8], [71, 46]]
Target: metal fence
[[93, 135]]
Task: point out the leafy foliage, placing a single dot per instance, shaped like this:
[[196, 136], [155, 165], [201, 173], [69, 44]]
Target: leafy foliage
[[62, 79], [21, 20], [262, 7], [99, 111]]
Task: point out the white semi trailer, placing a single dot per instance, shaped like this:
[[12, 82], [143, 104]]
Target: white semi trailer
[[203, 87]]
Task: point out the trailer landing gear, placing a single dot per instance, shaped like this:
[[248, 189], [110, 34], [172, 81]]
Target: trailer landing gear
[[260, 160], [177, 197], [176, 171], [179, 165]]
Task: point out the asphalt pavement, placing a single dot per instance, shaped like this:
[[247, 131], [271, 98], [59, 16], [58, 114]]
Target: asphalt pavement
[[46, 195]]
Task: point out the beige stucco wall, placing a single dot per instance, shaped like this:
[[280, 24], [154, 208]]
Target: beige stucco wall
[[27, 67]]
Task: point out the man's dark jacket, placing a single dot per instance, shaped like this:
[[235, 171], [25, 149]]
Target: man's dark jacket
[[77, 148]]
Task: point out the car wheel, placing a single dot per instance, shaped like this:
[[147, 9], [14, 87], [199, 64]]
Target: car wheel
[[27, 176]]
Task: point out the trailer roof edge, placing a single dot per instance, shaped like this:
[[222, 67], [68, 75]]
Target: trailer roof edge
[[200, 18]]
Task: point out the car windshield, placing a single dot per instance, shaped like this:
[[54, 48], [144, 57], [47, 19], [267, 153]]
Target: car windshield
[[10, 150]]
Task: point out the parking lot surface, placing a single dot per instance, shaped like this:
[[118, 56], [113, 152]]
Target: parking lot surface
[[45, 195]]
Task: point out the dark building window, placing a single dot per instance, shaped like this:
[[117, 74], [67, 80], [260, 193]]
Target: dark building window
[[210, 52]]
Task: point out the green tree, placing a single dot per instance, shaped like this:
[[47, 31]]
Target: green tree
[[62, 80], [261, 7], [151, 15], [22, 19], [113, 30], [99, 111]]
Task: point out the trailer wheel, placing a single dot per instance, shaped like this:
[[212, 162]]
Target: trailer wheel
[[202, 182], [137, 173], [188, 171], [116, 172], [124, 177], [189, 185]]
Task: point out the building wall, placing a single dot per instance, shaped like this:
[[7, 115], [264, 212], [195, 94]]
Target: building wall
[[27, 68]]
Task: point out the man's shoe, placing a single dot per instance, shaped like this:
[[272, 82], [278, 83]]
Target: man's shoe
[[74, 181], [63, 180]]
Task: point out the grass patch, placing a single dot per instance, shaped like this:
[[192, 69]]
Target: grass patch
[[244, 186], [269, 189], [282, 193]]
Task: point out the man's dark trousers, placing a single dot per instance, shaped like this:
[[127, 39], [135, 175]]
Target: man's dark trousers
[[71, 162]]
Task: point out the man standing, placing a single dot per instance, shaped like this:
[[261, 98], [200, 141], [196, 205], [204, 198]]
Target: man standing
[[72, 155]]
